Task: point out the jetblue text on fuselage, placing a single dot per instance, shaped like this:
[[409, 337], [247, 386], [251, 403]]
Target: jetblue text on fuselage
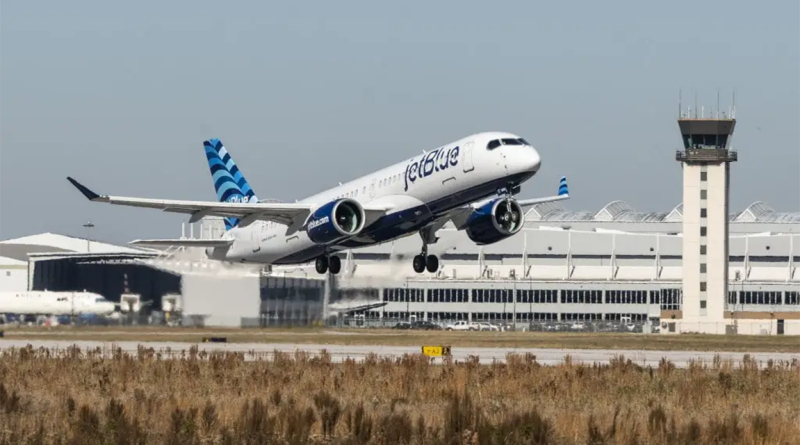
[[430, 163]]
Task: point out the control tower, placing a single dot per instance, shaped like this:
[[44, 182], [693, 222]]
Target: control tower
[[705, 158]]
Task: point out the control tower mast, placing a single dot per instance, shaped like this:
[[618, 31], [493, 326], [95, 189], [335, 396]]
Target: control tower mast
[[705, 158]]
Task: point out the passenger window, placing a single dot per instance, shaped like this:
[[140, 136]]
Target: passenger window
[[493, 144]]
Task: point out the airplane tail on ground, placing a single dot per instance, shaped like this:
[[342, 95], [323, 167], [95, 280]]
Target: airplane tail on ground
[[229, 183]]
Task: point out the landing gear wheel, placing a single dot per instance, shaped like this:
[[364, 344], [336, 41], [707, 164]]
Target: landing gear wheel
[[334, 264], [419, 264], [432, 263], [321, 264]]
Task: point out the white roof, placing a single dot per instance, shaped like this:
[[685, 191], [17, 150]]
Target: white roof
[[620, 211], [67, 243]]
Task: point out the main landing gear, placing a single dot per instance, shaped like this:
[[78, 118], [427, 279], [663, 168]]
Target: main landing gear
[[423, 261], [328, 263]]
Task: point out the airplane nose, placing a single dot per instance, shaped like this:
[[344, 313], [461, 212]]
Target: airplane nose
[[534, 161]]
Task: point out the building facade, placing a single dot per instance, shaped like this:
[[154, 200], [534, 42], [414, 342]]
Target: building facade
[[612, 265]]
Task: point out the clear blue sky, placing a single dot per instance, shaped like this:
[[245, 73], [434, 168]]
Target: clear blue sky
[[305, 94]]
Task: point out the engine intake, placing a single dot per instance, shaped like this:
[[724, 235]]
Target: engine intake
[[335, 220], [495, 221]]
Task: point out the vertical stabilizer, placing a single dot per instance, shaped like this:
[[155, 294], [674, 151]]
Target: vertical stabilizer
[[229, 183]]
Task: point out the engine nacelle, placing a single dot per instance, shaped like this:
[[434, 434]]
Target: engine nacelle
[[495, 221], [335, 220]]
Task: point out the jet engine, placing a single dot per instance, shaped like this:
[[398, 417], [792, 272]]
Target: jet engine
[[335, 220], [495, 221]]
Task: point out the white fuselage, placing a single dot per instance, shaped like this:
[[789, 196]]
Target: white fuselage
[[450, 176], [54, 303]]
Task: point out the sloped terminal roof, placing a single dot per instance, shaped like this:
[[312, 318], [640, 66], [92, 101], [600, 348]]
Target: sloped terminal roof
[[621, 211], [20, 249]]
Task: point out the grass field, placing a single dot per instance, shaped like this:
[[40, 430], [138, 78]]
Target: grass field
[[73, 397], [388, 337]]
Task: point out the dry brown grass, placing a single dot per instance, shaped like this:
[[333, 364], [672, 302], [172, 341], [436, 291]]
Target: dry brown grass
[[389, 337], [83, 397]]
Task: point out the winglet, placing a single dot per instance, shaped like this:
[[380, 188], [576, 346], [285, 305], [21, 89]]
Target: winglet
[[563, 190], [90, 195]]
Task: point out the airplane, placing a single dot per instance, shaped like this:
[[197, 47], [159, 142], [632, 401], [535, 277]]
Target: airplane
[[54, 303], [471, 182]]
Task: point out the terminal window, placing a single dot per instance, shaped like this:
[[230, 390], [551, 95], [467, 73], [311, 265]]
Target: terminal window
[[702, 213], [702, 267], [703, 249], [702, 286], [702, 304], [703, 194], [703, 231], [703, 176]]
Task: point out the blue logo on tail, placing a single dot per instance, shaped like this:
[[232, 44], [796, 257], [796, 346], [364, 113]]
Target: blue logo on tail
[[562, 187], [229, 183]]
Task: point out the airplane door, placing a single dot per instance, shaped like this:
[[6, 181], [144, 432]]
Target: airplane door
[[466, 158], [372, 189]]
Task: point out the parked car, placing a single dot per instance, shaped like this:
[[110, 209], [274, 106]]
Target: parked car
[[462, 325], [426, 325]]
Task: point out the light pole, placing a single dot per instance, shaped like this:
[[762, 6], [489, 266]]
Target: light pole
[[514, 296], [88, 227]]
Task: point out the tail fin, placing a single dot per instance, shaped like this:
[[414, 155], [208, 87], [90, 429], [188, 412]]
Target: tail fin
[[229, 183], [563, 190]]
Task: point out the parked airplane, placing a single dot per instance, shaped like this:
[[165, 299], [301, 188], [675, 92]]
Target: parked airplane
[[54, 303], [470, 182]]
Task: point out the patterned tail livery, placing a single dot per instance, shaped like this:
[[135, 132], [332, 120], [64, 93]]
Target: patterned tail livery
[[562, 186], [229, 183]]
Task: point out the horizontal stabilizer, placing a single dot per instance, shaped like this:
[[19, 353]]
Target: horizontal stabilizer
[[183, 242]]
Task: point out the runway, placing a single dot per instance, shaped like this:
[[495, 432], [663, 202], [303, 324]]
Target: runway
[[260, 351]]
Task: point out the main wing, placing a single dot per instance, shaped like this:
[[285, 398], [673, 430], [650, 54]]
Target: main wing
[[283, 213], [563, 193], [293, 215]]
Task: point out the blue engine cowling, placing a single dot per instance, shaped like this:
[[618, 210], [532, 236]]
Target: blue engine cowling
[[495, 221], [335, 220]]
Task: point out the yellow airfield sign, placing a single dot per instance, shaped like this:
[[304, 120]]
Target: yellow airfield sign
[[436, 351]]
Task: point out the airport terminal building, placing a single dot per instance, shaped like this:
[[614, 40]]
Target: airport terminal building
[[614, 266], [566, 266]]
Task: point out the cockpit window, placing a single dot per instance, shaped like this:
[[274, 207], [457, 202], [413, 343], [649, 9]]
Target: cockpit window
[[523, 141], [511, 142], [493, 144], [100, 300]]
